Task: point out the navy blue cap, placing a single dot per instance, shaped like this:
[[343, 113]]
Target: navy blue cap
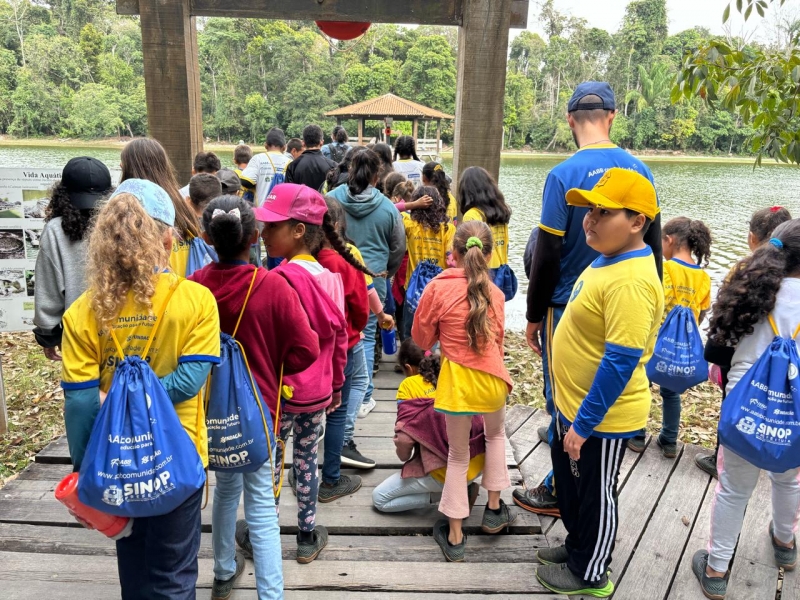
[[592, 88]]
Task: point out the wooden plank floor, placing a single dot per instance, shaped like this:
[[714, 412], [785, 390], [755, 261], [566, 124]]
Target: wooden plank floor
[[664, 511]]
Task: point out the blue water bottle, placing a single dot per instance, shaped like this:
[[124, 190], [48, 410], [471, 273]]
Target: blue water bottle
[[389, 340]]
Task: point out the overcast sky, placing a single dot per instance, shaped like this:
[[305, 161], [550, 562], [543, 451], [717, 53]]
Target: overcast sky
[[682, 14]]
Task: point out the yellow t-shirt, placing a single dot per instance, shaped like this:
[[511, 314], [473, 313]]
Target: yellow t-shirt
[[687, 285], [499, 235], [452, 208], [357, 254], [190, 332], [464, 391], [616, 301], [425, 244], [179, 257], [415, 386], [474, 469]]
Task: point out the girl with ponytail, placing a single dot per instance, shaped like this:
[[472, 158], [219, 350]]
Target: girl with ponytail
[[464, 312], [275, 335], [763, 287]]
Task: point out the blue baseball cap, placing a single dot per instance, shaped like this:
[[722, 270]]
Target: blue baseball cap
[[592, 88], [153, 198]]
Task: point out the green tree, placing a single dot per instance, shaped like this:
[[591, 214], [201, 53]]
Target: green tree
[[761, 86], [654, 85], [429, 73], [518, 113], [35, 107], [8, 81], [95, 111], [91, 45]]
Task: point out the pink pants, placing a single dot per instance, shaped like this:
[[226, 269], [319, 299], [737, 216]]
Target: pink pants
[[455, 502]]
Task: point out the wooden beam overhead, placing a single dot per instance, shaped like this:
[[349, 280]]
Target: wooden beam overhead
[[427, 12]]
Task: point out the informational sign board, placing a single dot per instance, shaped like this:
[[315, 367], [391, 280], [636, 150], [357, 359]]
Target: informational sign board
[[24, 196]]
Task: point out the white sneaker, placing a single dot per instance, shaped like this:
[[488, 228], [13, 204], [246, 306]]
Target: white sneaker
[[366, 408]]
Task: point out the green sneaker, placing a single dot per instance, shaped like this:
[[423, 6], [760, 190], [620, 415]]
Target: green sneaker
[[451, 553], [494, 522], [328, 492], [222, 590], [785, 558], [243, 538], [713, 588], [559, 579], [308, 551], [553, 556]]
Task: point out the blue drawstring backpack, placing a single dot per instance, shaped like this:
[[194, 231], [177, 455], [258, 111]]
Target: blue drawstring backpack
[[677, 362], [759, 418], [140, 462], [238, 426], [504, 278], [277, 178], [200, 255], [420, 278]]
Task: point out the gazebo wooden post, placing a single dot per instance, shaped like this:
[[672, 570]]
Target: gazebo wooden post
[[438, 136], [415, 130], [361, 131], [482, 54], [172, 80]]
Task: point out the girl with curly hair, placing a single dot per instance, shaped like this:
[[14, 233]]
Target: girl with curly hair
[[128, 284], [429, 240], [687, 250], [61, 262], [433, 175], [765, 284]]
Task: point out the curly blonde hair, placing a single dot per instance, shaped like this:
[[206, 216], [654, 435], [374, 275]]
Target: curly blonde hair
[[126, 254]]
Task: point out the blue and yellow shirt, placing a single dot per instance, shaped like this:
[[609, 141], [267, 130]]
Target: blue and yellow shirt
[[614, 311], [424, 244], [415, 386], [499, 235], [686, 284], [190, 332], [581, 170]]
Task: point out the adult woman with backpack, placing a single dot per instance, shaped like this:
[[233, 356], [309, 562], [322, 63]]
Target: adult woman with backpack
[[338, 147]]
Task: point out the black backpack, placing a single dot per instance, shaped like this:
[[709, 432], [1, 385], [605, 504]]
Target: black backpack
[[337, 152]]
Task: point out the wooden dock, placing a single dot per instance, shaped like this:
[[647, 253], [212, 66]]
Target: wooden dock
[[664, 517]]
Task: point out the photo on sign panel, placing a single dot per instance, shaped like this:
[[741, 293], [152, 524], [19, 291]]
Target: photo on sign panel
[[12, 282], [34, 208], [32, 238], [10, 209], [30, 281], [11, 244]]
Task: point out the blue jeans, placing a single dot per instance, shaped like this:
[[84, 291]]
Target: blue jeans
[[355, 386], [336, 422], [158, 561], [262, 521], [369, 337], [550, 320], [670, 417]]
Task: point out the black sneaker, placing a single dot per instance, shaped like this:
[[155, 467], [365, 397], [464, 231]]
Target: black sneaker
[[785, 558], [668, 450], [494, 522], [707, 463], [308, 551], [714, 588], [559, 579], [543, 432], [553, 556], [352, 458], [328, 492], [243, 538], [451, 553], [222, 590], [539, 501], [636, 444]]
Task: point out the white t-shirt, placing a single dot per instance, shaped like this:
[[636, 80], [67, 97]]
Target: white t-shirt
[[261, 168], [787, 317], [331, 282], [411, 168]]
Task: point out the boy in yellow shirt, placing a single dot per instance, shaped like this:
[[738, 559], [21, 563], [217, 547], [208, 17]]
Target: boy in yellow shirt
[[602, 396]]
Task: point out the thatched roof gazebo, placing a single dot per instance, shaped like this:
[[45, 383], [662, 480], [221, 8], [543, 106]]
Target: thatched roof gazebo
[[389, 105]]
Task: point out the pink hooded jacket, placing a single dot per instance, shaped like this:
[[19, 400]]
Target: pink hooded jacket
[[314, 386]]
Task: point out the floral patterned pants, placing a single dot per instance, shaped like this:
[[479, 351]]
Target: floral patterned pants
[[306, 428]]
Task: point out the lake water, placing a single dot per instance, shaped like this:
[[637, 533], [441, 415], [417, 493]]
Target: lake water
[[723, 194]]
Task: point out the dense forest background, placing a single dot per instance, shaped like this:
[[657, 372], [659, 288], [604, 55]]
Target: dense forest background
[[73, 68]]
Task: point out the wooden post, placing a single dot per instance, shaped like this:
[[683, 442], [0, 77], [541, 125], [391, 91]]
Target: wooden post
[[172, 80], [482, 53], [415, 130], [439, 136], [3, 409], [361, 131]]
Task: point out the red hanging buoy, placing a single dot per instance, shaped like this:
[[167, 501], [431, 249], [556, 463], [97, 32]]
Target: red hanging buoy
[[343, 30]]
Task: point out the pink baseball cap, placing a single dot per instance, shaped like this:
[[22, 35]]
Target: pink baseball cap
[[292, 201]]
